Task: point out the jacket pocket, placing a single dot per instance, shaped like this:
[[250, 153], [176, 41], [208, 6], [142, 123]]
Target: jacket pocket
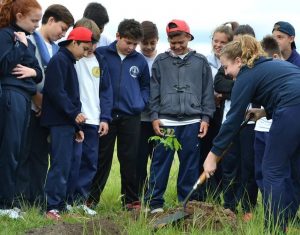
[[192, 104], [170, 104]]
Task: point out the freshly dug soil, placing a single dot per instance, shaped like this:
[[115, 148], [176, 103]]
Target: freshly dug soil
[[95, 226], [202, 215]]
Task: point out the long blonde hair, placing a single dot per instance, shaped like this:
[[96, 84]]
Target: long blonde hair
[[245, 47]]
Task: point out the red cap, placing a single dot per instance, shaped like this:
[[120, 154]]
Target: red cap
[[178, 26], [78, 34]]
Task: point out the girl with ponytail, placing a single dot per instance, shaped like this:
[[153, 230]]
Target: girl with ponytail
[[274, 84]]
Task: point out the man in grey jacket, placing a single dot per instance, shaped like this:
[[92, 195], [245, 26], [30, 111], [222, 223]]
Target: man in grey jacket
[[181, 97]]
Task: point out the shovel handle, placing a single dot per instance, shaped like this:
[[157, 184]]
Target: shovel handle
[[202, 177]]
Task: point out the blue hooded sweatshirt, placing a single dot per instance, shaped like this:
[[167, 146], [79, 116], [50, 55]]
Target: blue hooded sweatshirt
[[130, 80]]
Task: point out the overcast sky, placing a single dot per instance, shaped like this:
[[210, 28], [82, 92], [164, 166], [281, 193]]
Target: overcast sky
[[202, 19]]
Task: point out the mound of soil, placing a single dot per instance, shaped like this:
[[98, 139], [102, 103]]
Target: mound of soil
[[201, 215], [95, 226]]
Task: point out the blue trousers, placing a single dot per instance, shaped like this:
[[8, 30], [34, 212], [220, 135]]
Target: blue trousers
[[162, 161], [14, 121], [61, 162], [280, 166], [238, 172], [260, 142], [89, 161], [36, 160]]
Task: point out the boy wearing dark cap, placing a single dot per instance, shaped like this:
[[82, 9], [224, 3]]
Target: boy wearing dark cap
[[62, 115], [181, 97], [284, 33]]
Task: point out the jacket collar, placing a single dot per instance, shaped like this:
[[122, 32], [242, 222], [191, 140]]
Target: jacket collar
[[68, 54], [17, 28], [113, 47]]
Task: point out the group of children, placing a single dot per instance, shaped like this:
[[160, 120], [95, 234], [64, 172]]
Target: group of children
[[71, 102]]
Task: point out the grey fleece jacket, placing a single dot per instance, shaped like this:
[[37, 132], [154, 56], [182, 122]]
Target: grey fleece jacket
[[181, 89]]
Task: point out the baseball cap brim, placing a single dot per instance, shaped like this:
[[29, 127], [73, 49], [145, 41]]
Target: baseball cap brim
[[64, 43]]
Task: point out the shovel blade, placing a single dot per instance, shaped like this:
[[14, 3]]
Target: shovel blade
[[169, 219]]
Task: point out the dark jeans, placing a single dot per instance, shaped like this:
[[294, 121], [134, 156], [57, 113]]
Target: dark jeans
[[126, 130]]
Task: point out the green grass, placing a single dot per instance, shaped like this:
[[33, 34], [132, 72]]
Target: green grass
[[110, 206]]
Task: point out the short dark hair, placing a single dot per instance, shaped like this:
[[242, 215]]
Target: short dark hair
[[96, 12], [176, 33], [270, 45], [244, 29], [149, 30], [59, 13], [130, 28]]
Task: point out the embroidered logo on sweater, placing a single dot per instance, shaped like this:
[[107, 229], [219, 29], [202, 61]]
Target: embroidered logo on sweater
[[134, 71], [96, 72]]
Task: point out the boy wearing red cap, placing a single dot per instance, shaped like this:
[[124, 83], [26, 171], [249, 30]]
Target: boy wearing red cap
[[62, 115], [181, 97]]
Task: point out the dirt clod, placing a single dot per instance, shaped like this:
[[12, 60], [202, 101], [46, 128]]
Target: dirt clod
[[202, 215], [95, 226]]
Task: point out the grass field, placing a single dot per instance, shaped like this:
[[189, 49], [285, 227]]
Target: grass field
[[110, 206]]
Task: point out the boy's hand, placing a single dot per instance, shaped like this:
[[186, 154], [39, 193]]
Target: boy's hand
[[37, 99], [203, 129], [103, 128], [79, 136], [21, 71], [256, 114], [210, 164], [80, 118], [156, 127]]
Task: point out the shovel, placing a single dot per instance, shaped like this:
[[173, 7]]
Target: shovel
[[179, 215]]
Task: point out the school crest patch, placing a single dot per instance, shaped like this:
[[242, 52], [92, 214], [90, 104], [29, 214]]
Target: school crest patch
[[134, 71], [96, 72]]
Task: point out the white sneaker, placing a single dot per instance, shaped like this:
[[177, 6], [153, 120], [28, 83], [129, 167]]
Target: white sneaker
[[11, 213], [69, 208], [157, 210], [146, 210], [87, 210]]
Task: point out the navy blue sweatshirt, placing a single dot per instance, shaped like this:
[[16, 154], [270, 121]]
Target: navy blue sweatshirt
[[13, 52], [61, 101], [130, 80], [106, 92], [294, 58], [270, 83]]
